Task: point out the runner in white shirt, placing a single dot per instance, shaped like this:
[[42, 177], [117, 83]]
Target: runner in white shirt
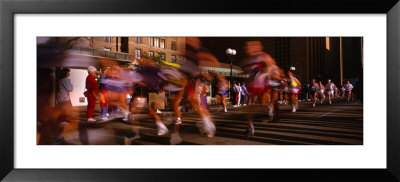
[[321, 91], [330, 88], [348, 87], [342, 91]]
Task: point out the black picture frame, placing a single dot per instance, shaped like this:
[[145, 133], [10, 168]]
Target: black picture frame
[[9, 8]]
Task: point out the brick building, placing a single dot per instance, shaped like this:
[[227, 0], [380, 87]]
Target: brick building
[[168, 48]]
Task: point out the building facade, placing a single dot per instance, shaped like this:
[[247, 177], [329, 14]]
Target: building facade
[[313, 57], [168, 48], [317, 57]]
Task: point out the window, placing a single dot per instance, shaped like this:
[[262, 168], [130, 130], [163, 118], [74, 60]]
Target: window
[[151, 41], [107, 39], [163, 43], [173, 45], [138, 40], [173, 58], [138, 53], [162, 55], [151, 54], [107, 49], [156, 42]]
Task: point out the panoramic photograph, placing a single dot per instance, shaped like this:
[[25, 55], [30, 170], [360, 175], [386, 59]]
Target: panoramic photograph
[[199, 90]]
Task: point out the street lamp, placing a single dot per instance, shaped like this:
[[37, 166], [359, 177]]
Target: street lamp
[[231, 53]]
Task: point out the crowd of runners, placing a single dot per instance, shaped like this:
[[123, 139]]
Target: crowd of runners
[[267, 86]]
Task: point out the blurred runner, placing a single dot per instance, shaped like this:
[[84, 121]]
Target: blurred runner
[[348, 88], [118, 85], [222, 86], [294, 85], [321, 91], [104, 96], [314, 91], [174, 81], [259, 66], [277, 80], [342, 91], [195, 54], [330, 89]]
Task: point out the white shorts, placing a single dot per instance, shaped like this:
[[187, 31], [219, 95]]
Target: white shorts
[[330, 92]]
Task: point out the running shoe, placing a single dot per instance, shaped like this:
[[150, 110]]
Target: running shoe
[[178, 121], [225, 110], [207, 128], [64, 123], [127, 141], [137, 136], [200, 126], [270, 112], [126, 118], [175, 139], [162, 129], [212, 131], [250, 131], [104, 119], [91, 120]]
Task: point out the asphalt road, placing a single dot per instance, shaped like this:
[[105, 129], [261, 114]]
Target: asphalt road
[[336, 124]]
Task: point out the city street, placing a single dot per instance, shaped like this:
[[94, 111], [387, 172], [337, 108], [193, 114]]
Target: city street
[[92, 74], [336, 124]]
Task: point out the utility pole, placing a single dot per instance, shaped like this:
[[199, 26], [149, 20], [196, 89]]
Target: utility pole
[[362, 52], [341, 60]]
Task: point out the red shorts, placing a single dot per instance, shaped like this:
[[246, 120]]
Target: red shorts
[[190, 88]]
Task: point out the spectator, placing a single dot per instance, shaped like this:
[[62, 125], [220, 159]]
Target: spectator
[[233, 95], [63, 99], [203, 95], [91, 92], [244, 93], [236, 92]]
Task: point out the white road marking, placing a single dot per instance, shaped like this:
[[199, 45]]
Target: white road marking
[[329, 113]]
